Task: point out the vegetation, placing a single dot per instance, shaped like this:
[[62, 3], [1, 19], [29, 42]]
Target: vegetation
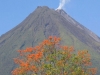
[[51, 58]]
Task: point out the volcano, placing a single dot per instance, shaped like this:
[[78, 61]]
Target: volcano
[[40, 24]]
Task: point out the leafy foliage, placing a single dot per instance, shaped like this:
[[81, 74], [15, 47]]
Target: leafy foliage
[[51, 58]]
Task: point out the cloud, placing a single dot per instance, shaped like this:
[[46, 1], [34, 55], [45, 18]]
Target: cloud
[[62, 3]]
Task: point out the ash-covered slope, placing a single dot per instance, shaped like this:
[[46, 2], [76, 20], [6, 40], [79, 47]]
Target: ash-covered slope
[[82, 33], [40, 24]]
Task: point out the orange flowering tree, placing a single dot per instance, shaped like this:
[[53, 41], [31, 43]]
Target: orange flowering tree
[[50, 58]]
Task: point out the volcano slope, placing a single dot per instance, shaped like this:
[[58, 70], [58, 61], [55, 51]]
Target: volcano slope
[[40, 24]]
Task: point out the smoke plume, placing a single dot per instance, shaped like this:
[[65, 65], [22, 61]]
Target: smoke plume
[[62, 3]]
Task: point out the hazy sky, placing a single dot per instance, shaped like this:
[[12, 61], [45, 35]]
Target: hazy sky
[[13, 12]]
